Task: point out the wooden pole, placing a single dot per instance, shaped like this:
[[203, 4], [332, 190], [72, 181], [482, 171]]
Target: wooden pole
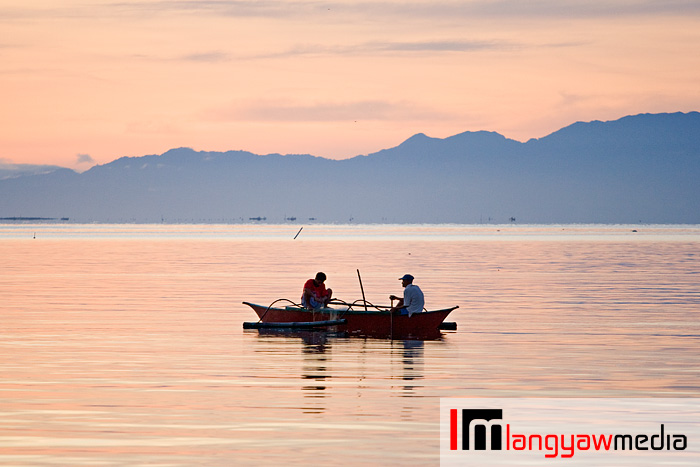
[[362, 289], [391, 319]]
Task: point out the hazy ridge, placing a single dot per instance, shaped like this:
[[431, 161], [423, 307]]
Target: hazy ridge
[[643, 168]]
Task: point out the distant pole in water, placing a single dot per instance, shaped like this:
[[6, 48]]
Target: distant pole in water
[[362, 289], [295, 237]]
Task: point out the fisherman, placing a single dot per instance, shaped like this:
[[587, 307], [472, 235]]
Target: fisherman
[[412, 301], [315, 294]]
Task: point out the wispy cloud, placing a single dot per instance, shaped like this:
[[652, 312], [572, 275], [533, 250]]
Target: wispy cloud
[[559, 8], [206, 57], [9, 169], [202, 57], [241, 8], [359, 49], [325, 112], [508, 8], [446, 9], [348, 10], [435, 46], [393, 47]]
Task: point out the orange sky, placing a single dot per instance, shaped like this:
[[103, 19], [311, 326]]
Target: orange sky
[[97, 80]]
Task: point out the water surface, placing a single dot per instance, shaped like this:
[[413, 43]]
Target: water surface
[[123, 344]]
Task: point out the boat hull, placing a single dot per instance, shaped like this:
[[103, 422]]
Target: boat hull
[[360, 322]]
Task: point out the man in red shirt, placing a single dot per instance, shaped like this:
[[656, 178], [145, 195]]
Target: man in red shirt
[[315, 294]]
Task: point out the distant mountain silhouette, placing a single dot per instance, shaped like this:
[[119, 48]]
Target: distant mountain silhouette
[[643, 168]]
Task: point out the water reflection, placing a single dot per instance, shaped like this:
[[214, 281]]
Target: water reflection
[[332, 365], [314, 371], [412, 358], [315, 352]]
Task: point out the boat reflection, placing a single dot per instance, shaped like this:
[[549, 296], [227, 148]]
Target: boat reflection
[[310, 336], [330, 359], [411, 354], [314, 370], [313, 338], [316, 352]]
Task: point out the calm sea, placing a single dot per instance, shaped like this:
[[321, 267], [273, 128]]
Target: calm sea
[[123, 344]]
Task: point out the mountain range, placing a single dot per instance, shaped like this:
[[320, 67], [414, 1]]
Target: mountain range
[[638, 169]]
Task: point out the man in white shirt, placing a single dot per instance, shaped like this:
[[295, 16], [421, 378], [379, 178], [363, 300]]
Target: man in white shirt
[[412, 301]]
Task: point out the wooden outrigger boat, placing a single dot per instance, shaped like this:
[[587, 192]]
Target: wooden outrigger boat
[[363, 319]]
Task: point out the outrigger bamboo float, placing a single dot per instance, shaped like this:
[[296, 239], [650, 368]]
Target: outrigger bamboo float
[[359, 318]]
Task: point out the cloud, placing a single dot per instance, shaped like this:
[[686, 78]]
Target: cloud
[[82, 159], [399, 47], [334, 10], [347, 11], [206, 57], [375, 47], [408, 47], [6, 163], [590, 9], [9, 169], [434, 46], [241, 8], [326, 112]]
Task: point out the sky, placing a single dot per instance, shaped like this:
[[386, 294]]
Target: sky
[[84, 82]]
